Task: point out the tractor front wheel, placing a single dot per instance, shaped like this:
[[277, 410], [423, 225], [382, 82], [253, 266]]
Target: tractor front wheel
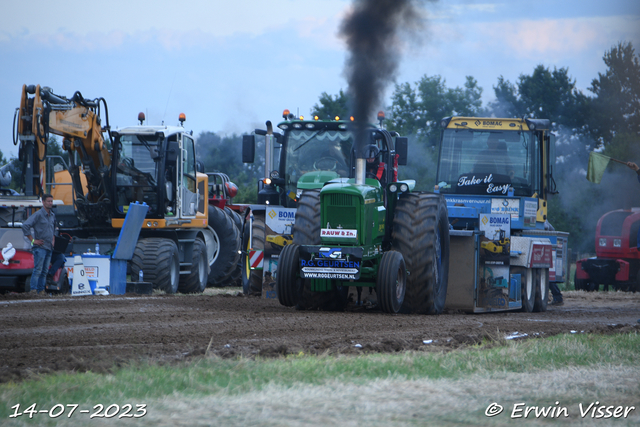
[[392, 281], [196, 281], [252, 279], [159, 260], [288, 281]]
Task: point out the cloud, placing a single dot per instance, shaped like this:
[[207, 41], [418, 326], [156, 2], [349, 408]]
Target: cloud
[[79, 25], [556, 37]]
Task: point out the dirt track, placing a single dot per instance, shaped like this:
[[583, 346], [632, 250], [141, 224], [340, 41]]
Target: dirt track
[[44, 334]]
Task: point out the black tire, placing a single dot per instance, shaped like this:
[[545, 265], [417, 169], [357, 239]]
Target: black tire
[[227, 254], [542, 289], [235, 279], [23, 283], [527, 287], [65, 288], [235, 216], [421, 235], [591, 286], [252, 279], [392, 282], [288, 280], [306, 231], [196, 281], [159, 261], [62, 284], [579, 284]]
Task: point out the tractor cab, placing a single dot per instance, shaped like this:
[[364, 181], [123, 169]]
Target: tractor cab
[[309, 153]]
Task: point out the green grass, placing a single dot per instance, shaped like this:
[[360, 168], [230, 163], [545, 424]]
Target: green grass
[[165, 388]]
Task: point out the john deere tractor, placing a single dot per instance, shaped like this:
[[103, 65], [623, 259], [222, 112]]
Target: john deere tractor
[[368, 230]]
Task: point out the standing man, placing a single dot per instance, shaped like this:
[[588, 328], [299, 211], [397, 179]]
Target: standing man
[[43, 224]]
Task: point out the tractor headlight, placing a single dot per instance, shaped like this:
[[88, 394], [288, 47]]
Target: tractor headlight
[[393, 188], [602, 242], [404, 188], [617, 243]]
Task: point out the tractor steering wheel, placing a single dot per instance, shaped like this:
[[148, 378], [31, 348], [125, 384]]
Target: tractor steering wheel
[[325, 163]]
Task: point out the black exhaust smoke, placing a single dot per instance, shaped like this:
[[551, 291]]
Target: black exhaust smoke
[[371, 31]]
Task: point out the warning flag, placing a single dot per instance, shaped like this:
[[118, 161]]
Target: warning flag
[[597, 165]]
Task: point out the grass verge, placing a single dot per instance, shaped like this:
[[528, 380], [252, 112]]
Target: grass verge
[[380, 389]]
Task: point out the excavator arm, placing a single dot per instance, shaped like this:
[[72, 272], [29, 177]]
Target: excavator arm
[[78, 121]]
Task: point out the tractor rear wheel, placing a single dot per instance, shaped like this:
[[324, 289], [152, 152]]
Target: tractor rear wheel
[[288, 281], [579, 284], [252, 279], [235, 216], [527, 286], [159, 261], [421, 235], [226, 255], [196, 281], [542, 289], [306, 231], [391, 283]]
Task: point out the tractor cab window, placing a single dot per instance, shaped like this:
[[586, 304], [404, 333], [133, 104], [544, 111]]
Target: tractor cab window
[[376, 156], [136, 170], [189, 193], [496, 159], [314, 151], [189, 164]]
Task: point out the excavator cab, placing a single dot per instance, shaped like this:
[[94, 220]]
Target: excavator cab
[[157, 167]]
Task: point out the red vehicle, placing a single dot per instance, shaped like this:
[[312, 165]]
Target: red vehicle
[[617, 261], [16, 258]]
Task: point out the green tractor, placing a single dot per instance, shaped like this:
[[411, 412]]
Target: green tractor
[[368, 230]]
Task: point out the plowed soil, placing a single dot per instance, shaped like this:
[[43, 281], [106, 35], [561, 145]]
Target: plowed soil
[[59, 333]]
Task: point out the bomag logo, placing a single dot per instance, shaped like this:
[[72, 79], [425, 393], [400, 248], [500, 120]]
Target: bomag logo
[[272, 214], [491, 123], [499, 220], [286, 215]]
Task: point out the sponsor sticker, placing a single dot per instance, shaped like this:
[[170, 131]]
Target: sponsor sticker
[[339, 233], [506, 206], [330, 263]]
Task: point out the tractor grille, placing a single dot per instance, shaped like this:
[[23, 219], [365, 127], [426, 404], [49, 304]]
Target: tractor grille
[[341, 200], [341, 210]]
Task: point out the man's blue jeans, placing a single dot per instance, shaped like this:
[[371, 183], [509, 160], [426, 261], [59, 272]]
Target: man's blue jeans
[[41, 259]]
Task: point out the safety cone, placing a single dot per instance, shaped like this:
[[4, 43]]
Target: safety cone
[[80, 284]]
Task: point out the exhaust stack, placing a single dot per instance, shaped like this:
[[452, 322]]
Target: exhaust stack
[[360, 171]]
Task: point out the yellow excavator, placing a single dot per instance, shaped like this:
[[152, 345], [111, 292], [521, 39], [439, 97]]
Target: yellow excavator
[[79, 122], [182, 237]]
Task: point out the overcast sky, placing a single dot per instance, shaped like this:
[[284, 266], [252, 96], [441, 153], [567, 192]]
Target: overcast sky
[[232, 65]]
